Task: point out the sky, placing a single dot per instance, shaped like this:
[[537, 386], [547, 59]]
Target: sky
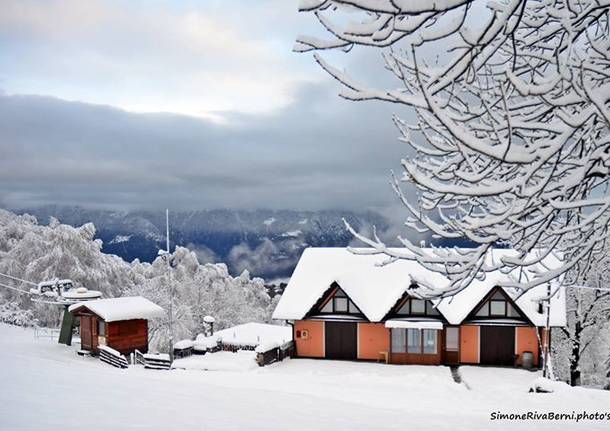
[[129, 104]]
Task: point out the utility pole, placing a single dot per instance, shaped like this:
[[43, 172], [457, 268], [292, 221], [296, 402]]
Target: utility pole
[[170, 286]]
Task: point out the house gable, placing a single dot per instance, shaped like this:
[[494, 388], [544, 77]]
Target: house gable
[[408, 306], [497, 305], [335, 302]]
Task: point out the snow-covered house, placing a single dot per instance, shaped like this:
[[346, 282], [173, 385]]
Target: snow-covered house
[[119, 323], [347, 306]]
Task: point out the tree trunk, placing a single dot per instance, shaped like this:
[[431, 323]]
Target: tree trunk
[[575, 357]]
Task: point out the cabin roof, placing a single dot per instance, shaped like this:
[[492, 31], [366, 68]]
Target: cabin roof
[[122, 308], [375, 289]]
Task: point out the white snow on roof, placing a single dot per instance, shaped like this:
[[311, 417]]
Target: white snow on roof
[[254, 334], [408, 324], [375, 289], [122, 308]]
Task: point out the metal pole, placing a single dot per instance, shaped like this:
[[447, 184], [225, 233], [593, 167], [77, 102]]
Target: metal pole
[[171, 289]]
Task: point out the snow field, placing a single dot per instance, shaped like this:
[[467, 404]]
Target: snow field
[[46, 386]]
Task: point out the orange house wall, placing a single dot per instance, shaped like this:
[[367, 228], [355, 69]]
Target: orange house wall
[[469, 344], [372, 339], [313, 345], [526, 341]]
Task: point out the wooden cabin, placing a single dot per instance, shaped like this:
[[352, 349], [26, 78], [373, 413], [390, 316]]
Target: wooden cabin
[[120, 323], [349, 306]]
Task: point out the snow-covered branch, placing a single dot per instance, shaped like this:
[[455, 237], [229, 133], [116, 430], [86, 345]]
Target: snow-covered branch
[[512, 141]]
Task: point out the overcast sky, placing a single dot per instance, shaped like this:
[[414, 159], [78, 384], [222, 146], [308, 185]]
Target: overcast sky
[[187, 104]]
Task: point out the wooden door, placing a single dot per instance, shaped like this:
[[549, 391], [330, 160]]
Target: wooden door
[[94, 334], [85, 333], [341, 340], [497, 345]]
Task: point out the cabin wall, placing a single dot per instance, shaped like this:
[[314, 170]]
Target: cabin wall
[[469, 344], [373, 338], [526, 340], [312, 345], [128, 335]]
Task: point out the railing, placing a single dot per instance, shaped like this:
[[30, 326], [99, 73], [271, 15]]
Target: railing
[[45, 332], [154, 361], [112, 357], [269, 355], [137, 358]]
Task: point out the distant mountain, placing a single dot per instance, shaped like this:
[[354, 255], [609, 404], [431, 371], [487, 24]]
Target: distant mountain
[[266, 242]]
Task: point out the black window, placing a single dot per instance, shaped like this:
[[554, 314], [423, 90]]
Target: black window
[[339, 303], [497, 306], [417, 307]]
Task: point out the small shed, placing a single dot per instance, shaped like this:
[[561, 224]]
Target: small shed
[[120, 323]]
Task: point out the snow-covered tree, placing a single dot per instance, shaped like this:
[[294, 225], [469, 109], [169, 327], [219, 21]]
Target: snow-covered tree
[[511, 145], [581, 346], [36, 252]]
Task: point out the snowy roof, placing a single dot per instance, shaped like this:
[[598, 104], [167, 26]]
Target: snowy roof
[[254, 334], [122, 308], [376, 289]]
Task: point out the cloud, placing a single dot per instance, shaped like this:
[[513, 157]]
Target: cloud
[[266, 258], [94, 110], [318, 152], [204, 254], [194, 58]]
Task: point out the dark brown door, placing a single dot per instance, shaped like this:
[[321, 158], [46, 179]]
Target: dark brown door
[[85, 332], [94, 340], [341, 340], [497, 345]]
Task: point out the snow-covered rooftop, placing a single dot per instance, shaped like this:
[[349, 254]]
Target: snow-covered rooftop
[[254, 334], [122, 308], [375, 289]]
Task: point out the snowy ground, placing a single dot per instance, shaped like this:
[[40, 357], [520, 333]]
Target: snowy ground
[[45, 386]]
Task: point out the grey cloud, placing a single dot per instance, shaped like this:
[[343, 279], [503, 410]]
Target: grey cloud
[[319, 152]]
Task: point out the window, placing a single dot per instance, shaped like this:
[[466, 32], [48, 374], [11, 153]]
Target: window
[[339, 303], [453, 339], [418, 306], [483, 311], [497, 308], [328, 307], [430, 310], [101, 328], [413, 341], [352, 308], [511, 311], [398, 341], [429, 337]]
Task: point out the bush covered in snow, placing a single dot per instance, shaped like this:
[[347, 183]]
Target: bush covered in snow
[[11, 313], [36, 252]]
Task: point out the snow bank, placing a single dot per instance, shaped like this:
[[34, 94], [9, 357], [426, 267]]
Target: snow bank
[[265, 347], [242, 360], [203, 343], [123, 308], [184, 344], [542, 384]]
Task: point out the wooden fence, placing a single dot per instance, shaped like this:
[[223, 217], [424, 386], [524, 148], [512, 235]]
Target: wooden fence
[[275, 354], [112, 357], [152, 361]]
